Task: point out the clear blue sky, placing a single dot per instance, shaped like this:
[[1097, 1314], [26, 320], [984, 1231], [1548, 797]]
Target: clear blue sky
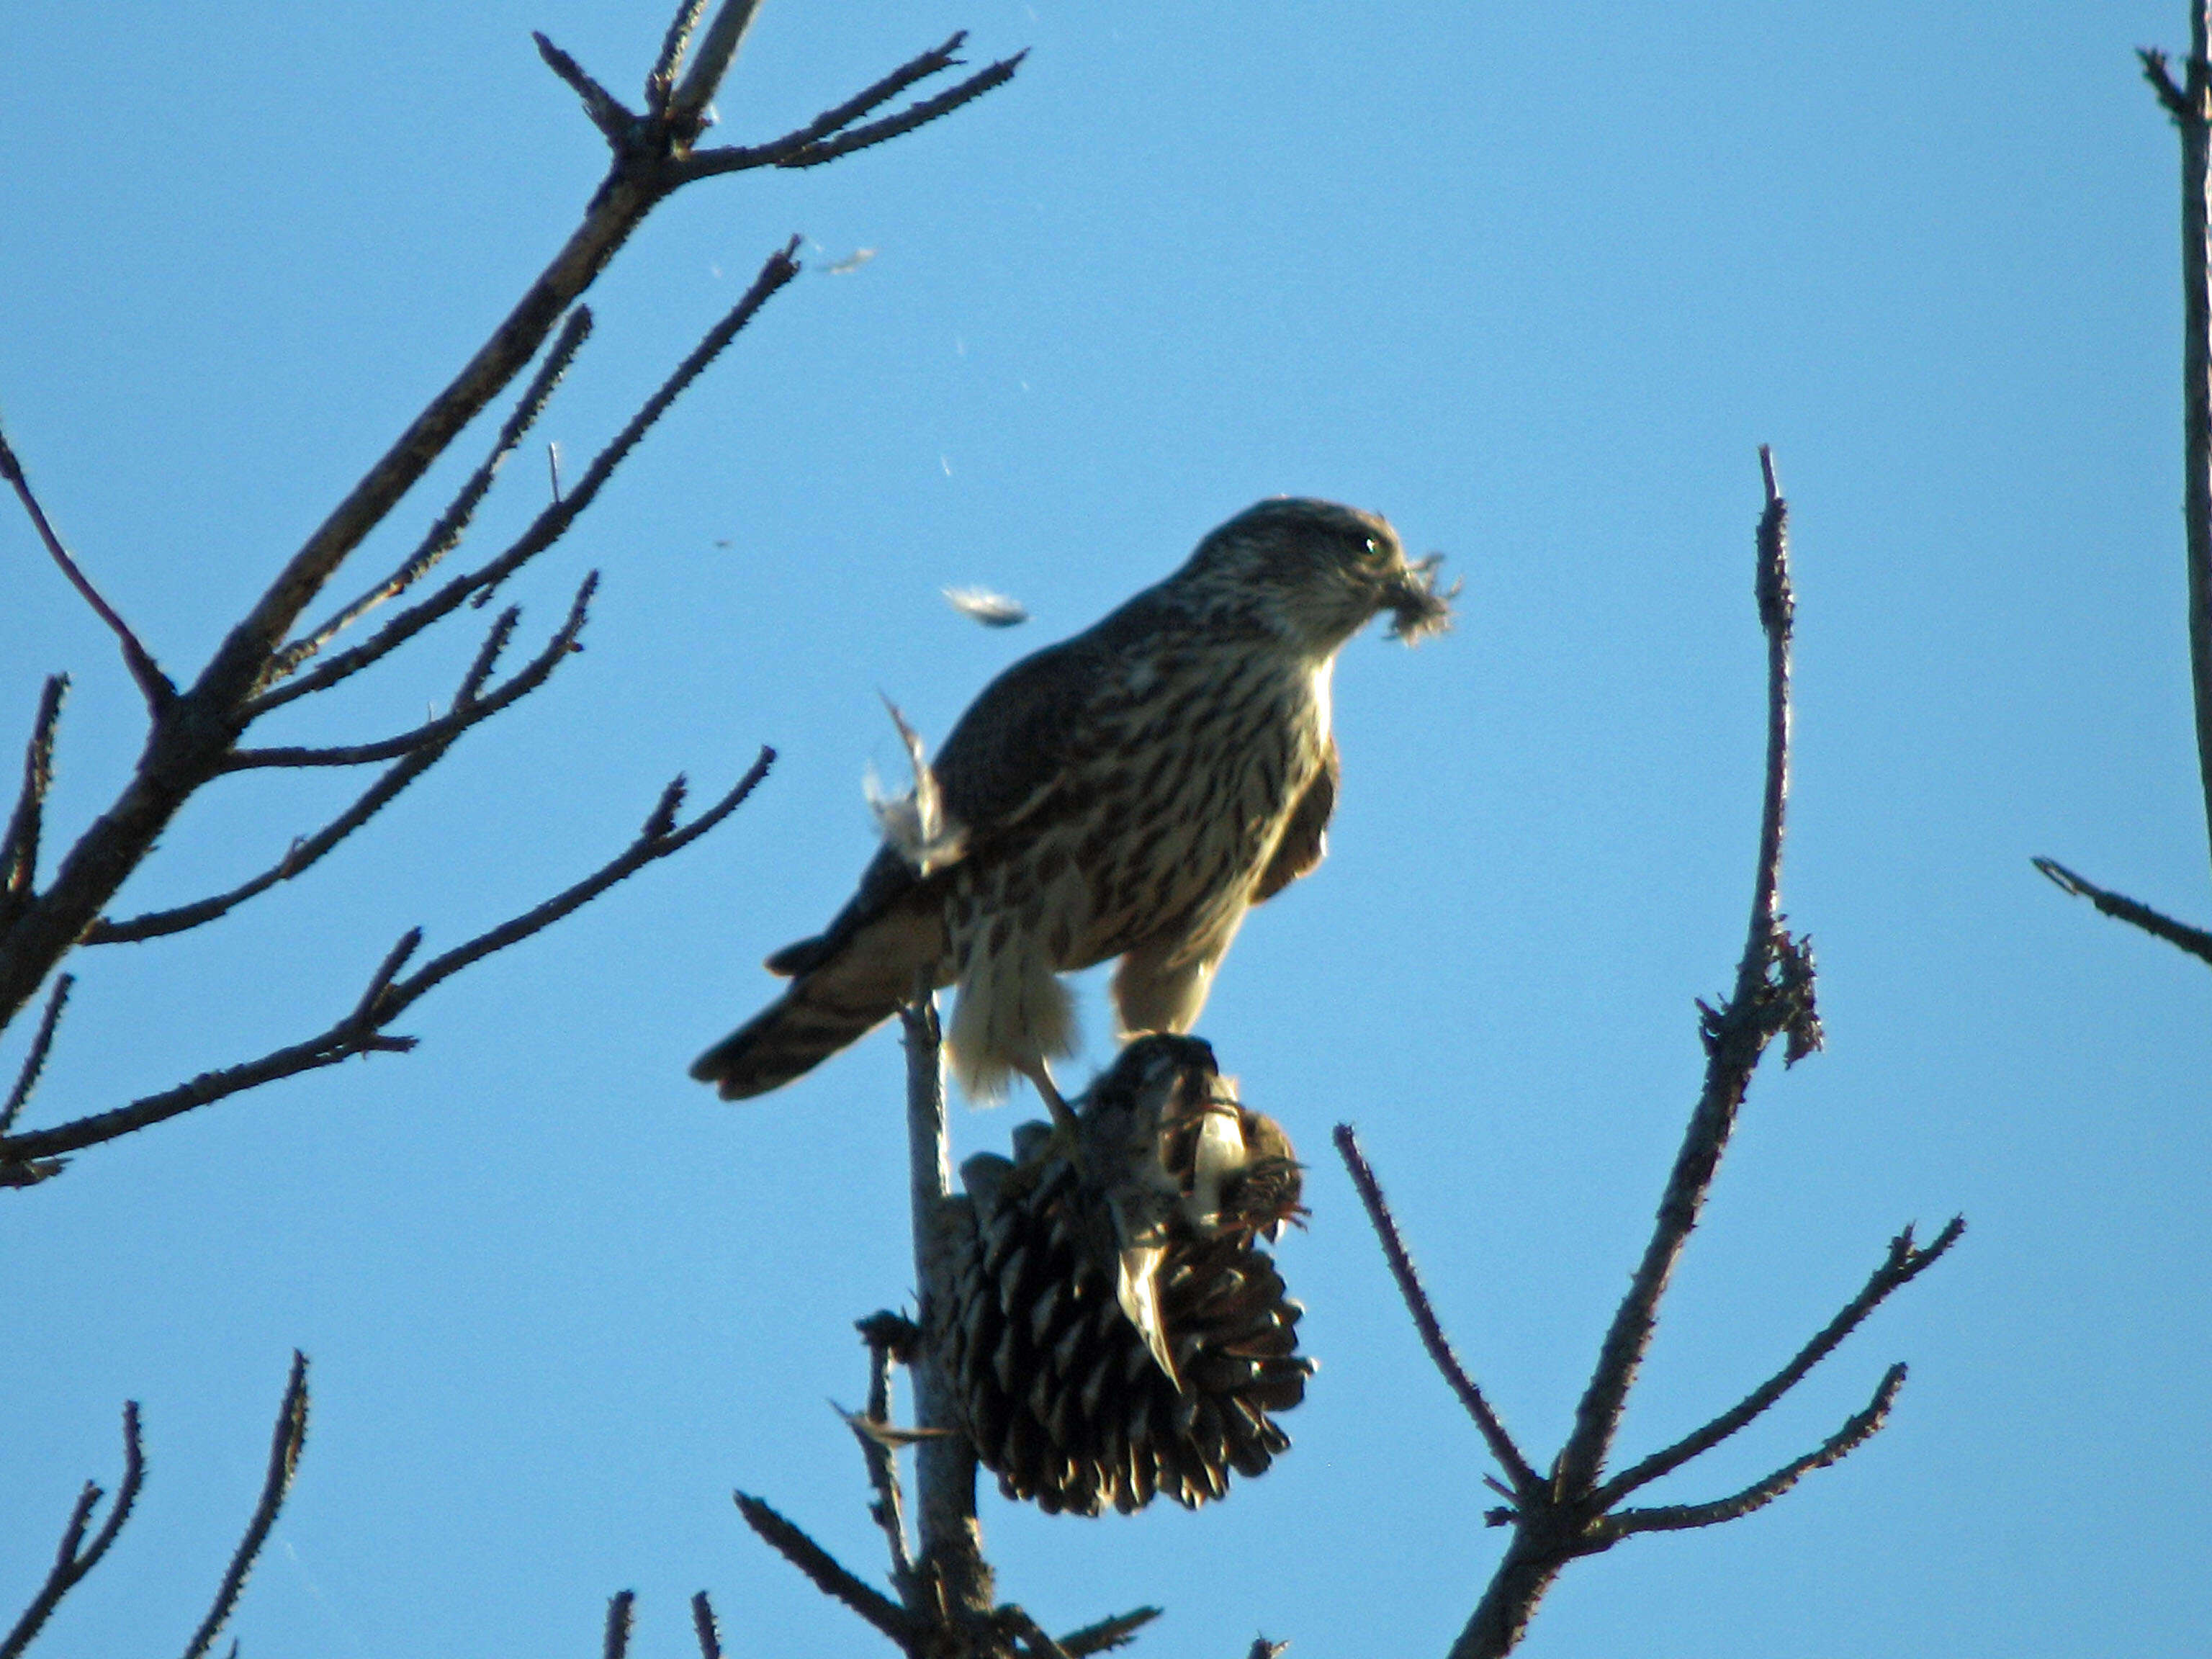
[[1534, 282]]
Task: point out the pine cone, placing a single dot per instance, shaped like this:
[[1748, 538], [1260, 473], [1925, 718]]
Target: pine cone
[[1116, 1329]]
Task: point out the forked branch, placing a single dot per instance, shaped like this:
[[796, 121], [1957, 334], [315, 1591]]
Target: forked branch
[[1574, 1512], [387, 995], [76, 1557]]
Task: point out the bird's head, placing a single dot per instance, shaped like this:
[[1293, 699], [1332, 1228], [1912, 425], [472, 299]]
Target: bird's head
[[1318, 571]]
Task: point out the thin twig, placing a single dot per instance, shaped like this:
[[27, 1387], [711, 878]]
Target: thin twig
[[1107, 1633], [703, 1622], [819, 1565], [553, 521], [702, 76], [35, 1061], [2190, 105], [1518, 1470], [622, 1606], [614, 122], [1035, 1641], [304, 854], [658, 842], [19, 851], [2195, 940], [156, 687], [1905, 1263], [669, 63], [1855, 1433], [72, 1561], [914, 115], [290, 1436], [821, 140], [889, 1509], [452, 524], [446, 727], [361, 1031], [1759, 1009]]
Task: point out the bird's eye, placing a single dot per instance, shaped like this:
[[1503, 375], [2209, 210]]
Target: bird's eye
[[1375, 554]]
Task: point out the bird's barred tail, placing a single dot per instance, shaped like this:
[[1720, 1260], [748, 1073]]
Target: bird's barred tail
[[786, 1040]]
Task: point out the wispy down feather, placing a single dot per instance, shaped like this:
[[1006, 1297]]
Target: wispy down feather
[[981, 605], [914, 822]]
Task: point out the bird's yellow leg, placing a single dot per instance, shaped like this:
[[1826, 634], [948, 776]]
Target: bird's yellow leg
[[1063, 1115]]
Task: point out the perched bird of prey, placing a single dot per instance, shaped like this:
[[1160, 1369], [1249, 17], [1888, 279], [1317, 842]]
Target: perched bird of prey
[[1128, 793]]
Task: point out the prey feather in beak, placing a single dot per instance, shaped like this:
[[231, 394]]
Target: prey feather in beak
[[1417, 608]]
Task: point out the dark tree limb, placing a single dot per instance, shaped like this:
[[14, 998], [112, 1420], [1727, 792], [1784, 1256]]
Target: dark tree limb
[[195, 730], [1108, 1634], [606, 110], [553, 522], [889, 1509], [285, 1444], [156, 687], [1772, 996], [442, 731], [621, 1607], [75, 1559], [1905, 1263], [1518, 1471], [34, 1062], [361, 1030], [661, 81], [822, 139], [2195, 940], [2190, 105], [1855, 1432], [19, 849], [703, 1625], [453, 523], [820, 1566], [1574, 1511], [304, 854]]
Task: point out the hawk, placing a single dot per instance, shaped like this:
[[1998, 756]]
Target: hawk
[[1128, 793]]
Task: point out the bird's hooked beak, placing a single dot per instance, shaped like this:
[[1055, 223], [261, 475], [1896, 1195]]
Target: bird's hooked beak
[[1417, 608]]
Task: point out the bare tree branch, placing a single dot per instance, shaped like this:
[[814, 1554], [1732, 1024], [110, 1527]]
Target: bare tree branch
[[27, 1080], [661, 81], [1518, 1471], [1904, 1264], [1855, 1433], [657, 840], [717, 49], [553, 522], [621, 1608], [156, 687], [614, 122], [2195, 940], [290, 1435], [703, 1622], [2190, 105], [305, 853], [73, 1560], [19, 851], [814, 143], [452, 524], [1772, 995], [951, 1558], [361, 1031], [889, 1509], [1107, 1633], [447, 726], [831, 1579]]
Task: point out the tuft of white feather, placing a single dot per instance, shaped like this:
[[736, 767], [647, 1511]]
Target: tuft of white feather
[[992, 610], [914, 822]]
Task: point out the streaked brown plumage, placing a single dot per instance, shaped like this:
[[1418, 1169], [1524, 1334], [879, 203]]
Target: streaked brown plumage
[[1128, 793]]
